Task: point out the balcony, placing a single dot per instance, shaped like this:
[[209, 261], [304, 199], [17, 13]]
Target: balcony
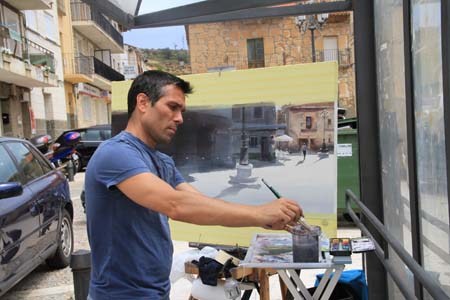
[[92, 24], [91, 70], [103, 71], [30, 4], [24, 62], [78, 68], [343, 57]]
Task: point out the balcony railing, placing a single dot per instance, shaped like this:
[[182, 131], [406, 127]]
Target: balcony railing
[[26, 50], [38, 55], [343, 56], [84, 12], [78, 64], [106, 71]]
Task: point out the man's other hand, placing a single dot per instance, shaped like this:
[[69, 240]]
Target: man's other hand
[[279, 213]]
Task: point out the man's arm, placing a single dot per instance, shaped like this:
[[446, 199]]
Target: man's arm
[[188, 205], [184, 186]]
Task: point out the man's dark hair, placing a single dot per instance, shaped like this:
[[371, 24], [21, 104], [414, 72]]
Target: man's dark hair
[[152, 84]]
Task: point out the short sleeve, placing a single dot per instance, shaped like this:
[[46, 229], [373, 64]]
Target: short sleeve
[[116, 162], [178, 178]]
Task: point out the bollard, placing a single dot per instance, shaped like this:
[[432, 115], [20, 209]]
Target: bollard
[[70, 170], [80, 263]]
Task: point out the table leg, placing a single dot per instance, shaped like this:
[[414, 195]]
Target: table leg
[[283, 275], [322, 284], [264, 291], [296, 277], [330, 287], [283, 289]]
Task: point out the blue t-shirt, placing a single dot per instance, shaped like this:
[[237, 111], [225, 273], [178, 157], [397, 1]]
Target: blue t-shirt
[[130, 245]]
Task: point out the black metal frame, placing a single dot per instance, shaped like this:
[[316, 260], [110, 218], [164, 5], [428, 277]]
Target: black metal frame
[[197, 14], [411, 140], [445, 19], [367, 103], [430, 284]]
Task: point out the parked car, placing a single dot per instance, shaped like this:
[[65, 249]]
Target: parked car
[[91, 137], [36, 213]]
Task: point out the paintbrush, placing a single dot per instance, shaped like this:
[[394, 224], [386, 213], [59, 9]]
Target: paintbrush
[[300, 221]]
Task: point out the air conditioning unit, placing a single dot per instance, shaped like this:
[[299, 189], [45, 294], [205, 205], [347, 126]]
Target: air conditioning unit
[[25, 96]]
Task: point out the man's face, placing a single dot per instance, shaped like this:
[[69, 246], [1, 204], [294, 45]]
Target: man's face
[[161, 120]]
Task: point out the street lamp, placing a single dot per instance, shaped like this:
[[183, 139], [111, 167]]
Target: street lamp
[[324, 148], [311, 22]]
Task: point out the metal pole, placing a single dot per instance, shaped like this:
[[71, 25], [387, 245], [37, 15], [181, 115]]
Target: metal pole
[[313, 46]]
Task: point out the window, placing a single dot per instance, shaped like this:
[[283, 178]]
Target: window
[[8, 170], [50, 27], [253, 142], [30, 17], [91, 135], [258, 112], [255, 53], [87, 110], [236, 114], [330, 49], [329, 123], [106, 134], [27, 161], [308, 122]]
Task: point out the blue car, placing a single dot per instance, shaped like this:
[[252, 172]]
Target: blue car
[[36, 213]]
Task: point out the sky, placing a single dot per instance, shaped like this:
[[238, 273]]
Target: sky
[[162, 37]]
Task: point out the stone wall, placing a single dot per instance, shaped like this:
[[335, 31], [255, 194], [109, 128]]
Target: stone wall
[[220, 45]]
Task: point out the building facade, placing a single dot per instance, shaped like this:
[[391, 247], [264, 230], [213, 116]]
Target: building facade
[[48, 104], [29, 71], [130, 63], [89, 40], [268, 42]]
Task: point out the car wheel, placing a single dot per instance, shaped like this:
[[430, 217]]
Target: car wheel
[[61, 258]]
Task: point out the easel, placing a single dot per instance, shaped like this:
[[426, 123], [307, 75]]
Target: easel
[[259, 277]]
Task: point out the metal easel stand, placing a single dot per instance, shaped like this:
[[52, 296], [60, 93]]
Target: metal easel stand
[[323, 291]]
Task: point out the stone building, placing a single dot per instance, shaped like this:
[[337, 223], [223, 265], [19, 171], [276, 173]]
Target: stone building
[[268, 42]]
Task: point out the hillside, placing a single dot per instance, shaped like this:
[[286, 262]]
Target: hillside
[[174, 61]]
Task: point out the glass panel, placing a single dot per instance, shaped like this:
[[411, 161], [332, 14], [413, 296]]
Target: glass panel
[[27, 161], [8, 170], [430, 137], [393, 134]]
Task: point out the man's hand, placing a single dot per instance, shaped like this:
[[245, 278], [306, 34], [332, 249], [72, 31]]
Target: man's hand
[[279, 213]]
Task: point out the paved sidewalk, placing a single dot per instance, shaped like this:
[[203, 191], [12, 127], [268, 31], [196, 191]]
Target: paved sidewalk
[[181, 289]]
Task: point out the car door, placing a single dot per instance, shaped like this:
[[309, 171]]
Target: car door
[[91, 139], [43, 181], [19, 223]]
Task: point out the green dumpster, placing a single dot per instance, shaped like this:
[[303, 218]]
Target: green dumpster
[[348, 165]]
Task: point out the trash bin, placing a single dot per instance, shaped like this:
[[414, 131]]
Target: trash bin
[[352, 281], [348, 166], [80, 262]]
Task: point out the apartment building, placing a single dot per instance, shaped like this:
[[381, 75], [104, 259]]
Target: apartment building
[[30, 69], [89, 39], [277, 41], [130, 63]]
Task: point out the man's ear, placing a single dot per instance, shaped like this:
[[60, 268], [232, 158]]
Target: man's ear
[[142, 101]]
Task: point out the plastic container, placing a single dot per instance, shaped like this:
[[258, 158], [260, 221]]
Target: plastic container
[[42, 142], [71, 138], [305, 244]]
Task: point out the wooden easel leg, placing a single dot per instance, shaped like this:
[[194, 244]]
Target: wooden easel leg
[[264, 291], [283, 289]]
